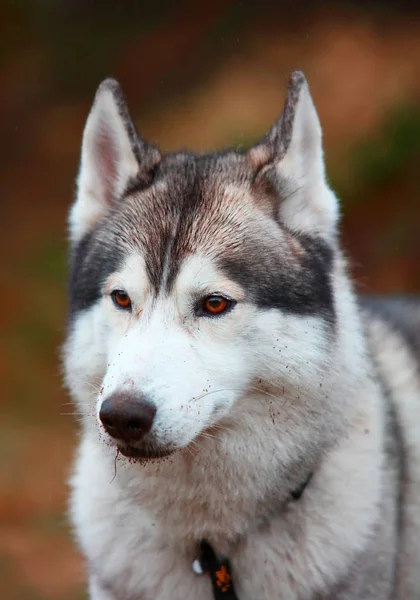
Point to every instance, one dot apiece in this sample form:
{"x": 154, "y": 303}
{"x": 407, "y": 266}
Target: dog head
{"x": 201, "y": 288}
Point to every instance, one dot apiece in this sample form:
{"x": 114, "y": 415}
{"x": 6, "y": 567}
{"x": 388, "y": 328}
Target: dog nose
{"x": 127, "y": 417}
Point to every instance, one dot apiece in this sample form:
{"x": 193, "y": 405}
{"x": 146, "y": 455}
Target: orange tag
{"x": 223, "y": 579}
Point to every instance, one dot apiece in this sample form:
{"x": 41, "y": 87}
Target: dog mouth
{"x": 142, "y": 454}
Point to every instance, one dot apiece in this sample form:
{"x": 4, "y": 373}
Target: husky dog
{"x": 231, "y": 385}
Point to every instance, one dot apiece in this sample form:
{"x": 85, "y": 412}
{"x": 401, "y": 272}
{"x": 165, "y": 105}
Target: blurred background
{"x": 198, "y": 75}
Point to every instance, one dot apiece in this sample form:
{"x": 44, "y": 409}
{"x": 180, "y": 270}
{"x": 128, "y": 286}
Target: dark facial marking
{"x": 302, "y": 286}
{"x": 91, "y": 262}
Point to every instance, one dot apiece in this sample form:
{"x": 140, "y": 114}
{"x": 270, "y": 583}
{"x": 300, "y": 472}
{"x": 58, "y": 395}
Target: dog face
{"x": 201, "y": 286}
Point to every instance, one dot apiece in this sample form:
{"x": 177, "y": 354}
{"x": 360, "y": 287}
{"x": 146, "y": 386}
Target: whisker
{"x": 266, "y": 393}
{"x": 208, "y": 436}
{"x": 208, "y": 393}
{"x": 115, "y": 465}
{"x": 253, "y": 388}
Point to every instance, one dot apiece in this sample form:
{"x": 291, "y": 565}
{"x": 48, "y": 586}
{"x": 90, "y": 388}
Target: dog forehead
{"x": 188, "y": 190}
{"x": 194, "y": 205}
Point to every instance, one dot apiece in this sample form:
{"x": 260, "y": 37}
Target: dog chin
{"x": 145, "y": 453}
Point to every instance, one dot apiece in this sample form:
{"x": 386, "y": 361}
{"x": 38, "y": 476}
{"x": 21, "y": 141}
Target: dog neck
{"x": 218, "y": 568}
{"x": 222, "y": 491}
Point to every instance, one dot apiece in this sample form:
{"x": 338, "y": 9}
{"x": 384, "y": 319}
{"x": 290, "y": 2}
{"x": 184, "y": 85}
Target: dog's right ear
{"x": 113, "y": 157}
{"x": 290, "y": 158}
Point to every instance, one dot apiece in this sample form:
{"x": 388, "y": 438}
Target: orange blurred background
{"x": 200, "y": 75}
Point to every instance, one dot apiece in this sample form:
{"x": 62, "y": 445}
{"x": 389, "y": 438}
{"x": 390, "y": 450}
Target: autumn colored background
{"x": 199, "y": 75}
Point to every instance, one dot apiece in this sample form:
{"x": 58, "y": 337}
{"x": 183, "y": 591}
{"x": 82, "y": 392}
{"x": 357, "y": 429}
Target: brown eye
{"x": 215, "y": 305}
{"x": 121, "y": 299}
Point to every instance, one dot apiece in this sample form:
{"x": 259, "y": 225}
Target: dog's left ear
{"x": 113, "y": 157}
{"x": 291, "y": 159}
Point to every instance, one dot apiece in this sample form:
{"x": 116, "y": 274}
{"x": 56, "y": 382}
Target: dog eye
{"x": 215, "y": 305}
{"x": 121, "y": 299}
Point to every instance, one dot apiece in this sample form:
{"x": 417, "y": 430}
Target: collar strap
{"x": 297, "y": 493}
{"x": 219, "y": 571}
{"x": 219, "y": 568}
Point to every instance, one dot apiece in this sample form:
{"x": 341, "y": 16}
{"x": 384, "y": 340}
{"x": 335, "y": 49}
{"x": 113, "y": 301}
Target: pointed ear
{"x": 291, "y": 158}
{"x": 113, "y": 158}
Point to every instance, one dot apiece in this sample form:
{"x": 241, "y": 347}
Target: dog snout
{"x": 127, "y": 417}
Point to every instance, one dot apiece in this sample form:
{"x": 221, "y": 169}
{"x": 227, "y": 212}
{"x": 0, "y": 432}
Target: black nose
{"x": 127, "y": 417}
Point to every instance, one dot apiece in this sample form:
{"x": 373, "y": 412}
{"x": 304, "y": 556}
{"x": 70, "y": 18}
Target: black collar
{"x": 219, "y": 568}
{"x": 297, "y": 493}
{"x": 219, "y": 571}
